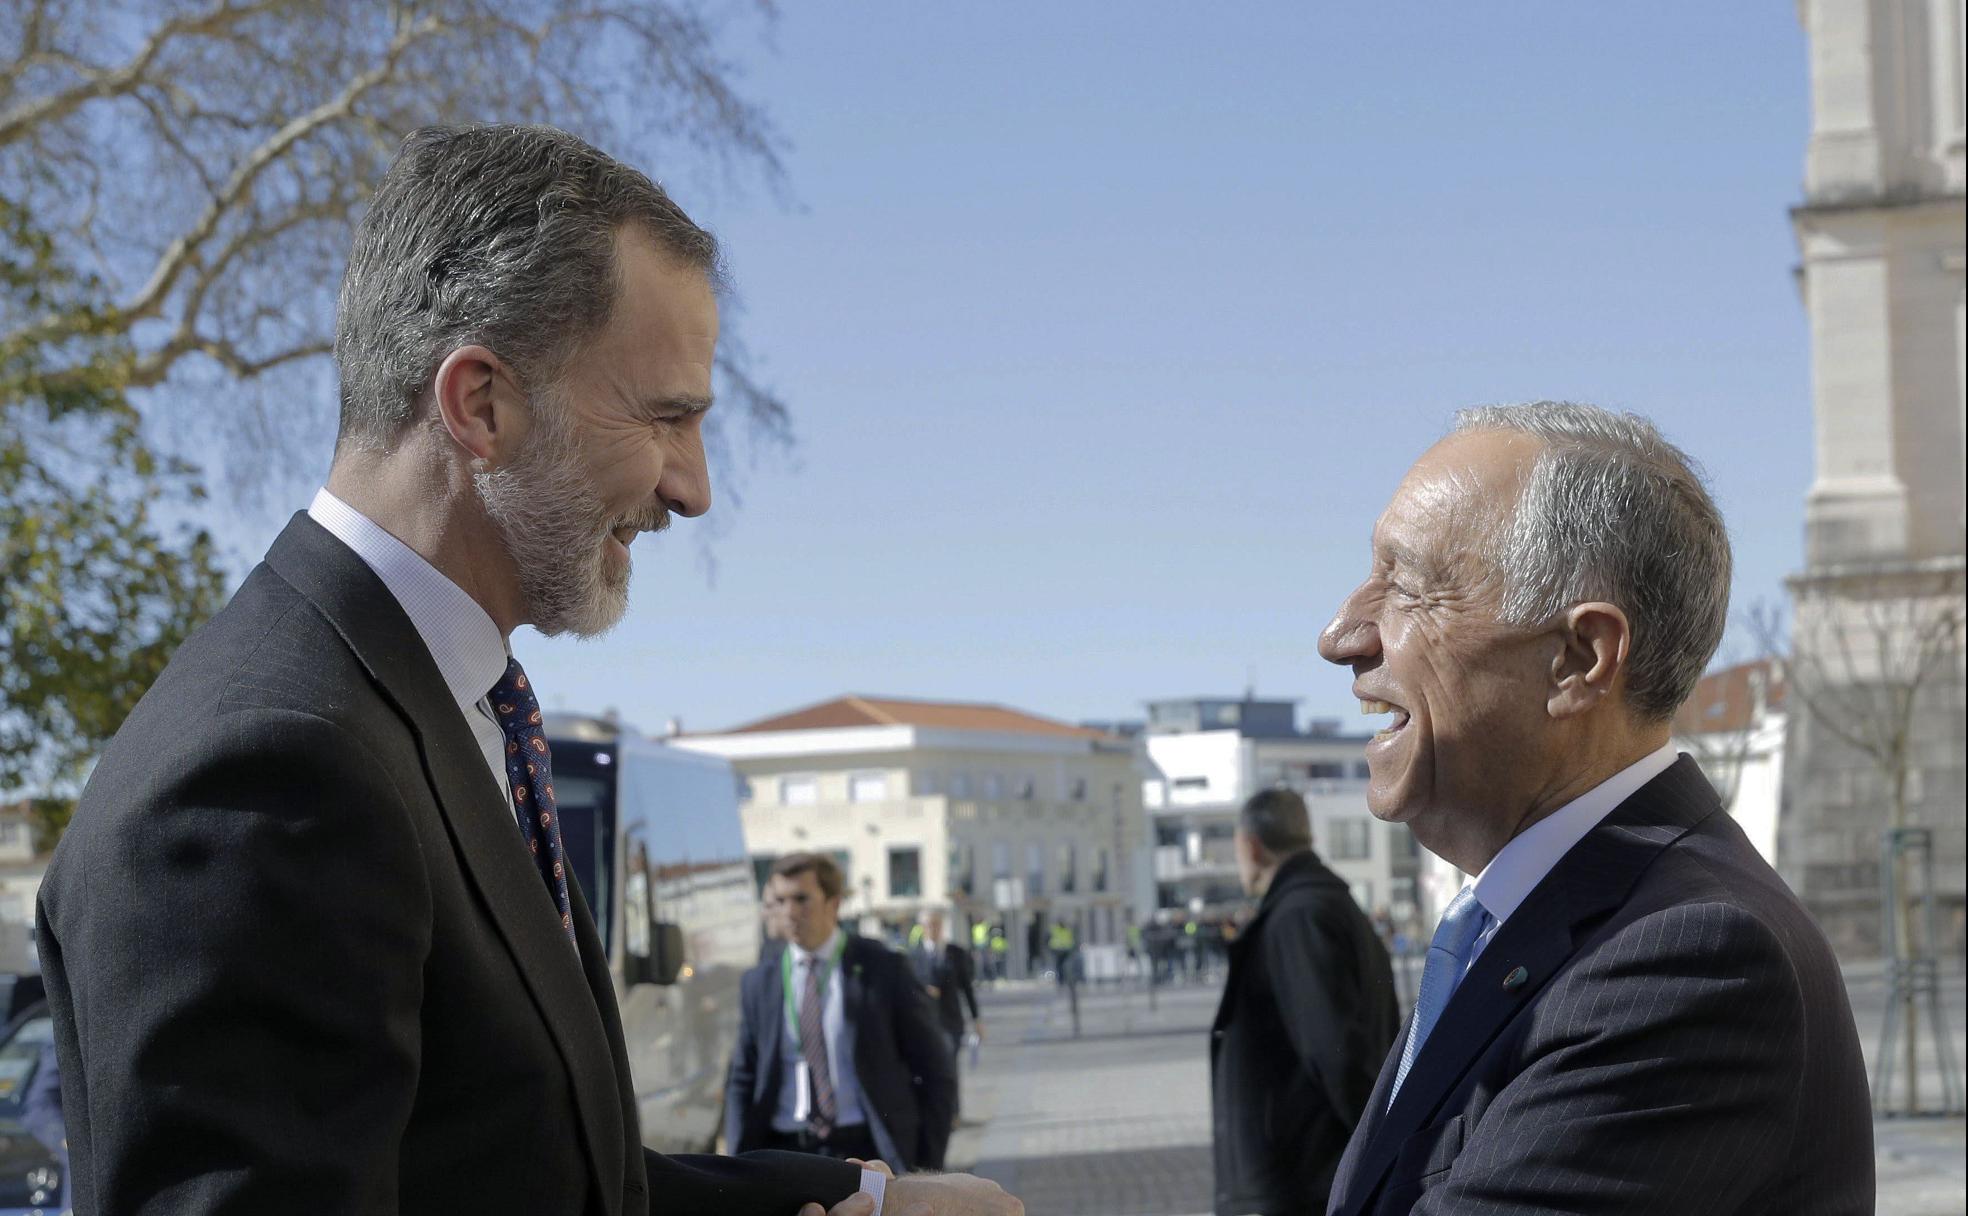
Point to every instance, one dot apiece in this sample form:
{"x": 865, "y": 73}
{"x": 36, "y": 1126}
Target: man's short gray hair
{"x": 495, "y": 235}
{"x": 1612, "y": 511}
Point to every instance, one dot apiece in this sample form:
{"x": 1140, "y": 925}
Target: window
{"x": 993, "y": 787}
{"x": 867, "y": 787}
{"x": 1351, "y": 839}
{"x": 1076, "y": 789}
{"x": 762, "y": 870}
{"x": 923, "y": 785}
{"x": 1100, "y": 870}
{"x": 963, "y": 869}
{"x": 1192, "y": 783}
{"x": 799, "y": 791}
{"x": 1361, "y": 770}
{"x": 1069, "y": 868}
{"x": 904, "y": 873}
{"x": 1325, "y": 770}
{"x": 959, "y": 785}
{"x": 1034, "y": 870}
{"x": 844, "y": 860}
{"x": 1000, "y": 860}
{"x": 1028, "y": 788}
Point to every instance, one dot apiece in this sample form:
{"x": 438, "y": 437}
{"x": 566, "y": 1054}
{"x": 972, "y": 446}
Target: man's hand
{"x": 977, "y": 1028}
{"x": 946, "y": 1195}
{"x": 926, "y": 1195}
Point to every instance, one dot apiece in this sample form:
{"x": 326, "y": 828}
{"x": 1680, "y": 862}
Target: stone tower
{"x": 1880, "y": 233}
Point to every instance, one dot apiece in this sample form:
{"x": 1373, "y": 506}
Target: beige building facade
{"x": 985, "y": 813}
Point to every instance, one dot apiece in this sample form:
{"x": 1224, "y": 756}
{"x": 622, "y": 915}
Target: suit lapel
{"x": 481, "y": 825}
{"x": 1539, "y": 937}
{"x": 854, "y": 991}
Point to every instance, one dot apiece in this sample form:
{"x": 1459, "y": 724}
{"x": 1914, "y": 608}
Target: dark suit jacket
{"x": 949, "y": 972}
{"x": 1307, "y": 1014}
{"x": 1679, "y": 1041}
{"x": 901, "y": 1058}
{"x": 300, "y": 962}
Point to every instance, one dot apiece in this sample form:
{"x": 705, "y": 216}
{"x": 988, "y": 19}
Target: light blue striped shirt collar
{"x": 1522, "y": 864}
{"x": 460, "y": 635}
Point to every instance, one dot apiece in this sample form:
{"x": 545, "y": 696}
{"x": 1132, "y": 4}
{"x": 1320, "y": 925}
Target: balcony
{"x": 1214, "y": 859}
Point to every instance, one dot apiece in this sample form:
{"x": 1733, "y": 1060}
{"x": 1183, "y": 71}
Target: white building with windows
{"x": 1209, "y": 754}
{"x": 983, "y": 812}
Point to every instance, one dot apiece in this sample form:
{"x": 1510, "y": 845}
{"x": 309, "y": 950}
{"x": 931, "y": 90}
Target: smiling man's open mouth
{"x": 1370, "y": 706}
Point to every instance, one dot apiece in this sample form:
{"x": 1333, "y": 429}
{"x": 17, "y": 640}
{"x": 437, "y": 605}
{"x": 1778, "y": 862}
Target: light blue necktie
{"x": 1448, "y": 957}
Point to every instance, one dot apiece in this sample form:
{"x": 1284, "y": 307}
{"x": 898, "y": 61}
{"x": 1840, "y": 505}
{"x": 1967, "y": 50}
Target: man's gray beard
{"x": 555, "y": 529}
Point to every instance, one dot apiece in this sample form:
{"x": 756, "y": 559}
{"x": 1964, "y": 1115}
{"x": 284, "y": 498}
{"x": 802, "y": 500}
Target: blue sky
{"x": 1110, "y": 328}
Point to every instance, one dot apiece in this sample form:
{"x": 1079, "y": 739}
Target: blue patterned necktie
{"x": 530, "y": 771}
{"x": 1448, "y": 957}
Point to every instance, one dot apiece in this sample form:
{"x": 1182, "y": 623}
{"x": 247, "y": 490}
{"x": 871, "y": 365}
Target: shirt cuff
{"x": 874, "y": 1182}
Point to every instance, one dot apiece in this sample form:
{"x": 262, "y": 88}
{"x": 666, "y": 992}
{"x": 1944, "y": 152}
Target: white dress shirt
{"x": 1522, "y": 864}
{"x": 833, "y": 1024}
{"x": 462, "y": 639}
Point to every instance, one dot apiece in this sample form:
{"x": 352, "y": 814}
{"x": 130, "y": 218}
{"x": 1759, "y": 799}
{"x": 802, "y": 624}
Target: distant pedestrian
{"x": 1307, "y": 1016}
{"x": 947, "y": 971}
{"x": 1064, "y": 944}
{"x": 839, "y": 1049}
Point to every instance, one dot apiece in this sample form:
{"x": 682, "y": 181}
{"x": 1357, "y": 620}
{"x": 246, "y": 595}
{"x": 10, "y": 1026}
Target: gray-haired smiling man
{"x": 1626, "y": 1010}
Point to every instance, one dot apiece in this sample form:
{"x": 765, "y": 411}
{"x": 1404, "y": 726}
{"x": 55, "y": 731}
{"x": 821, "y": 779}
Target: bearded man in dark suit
{"x": 310, "y": 943}
{"x": 1626, "y": 1010}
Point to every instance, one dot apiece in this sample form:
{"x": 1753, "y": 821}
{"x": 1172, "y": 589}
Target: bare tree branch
{"x": 100, "y": 83}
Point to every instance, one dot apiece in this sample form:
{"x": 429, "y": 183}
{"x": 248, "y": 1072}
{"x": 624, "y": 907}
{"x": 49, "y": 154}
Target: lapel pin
{"x": 1515, "y": 979}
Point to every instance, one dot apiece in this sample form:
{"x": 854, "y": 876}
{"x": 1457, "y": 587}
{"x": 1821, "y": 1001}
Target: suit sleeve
{"x": 238, "y": 949}
{"x": 751, "y": 1184}
{"x": 1679, "y": 1079}
{"x": 966, "y": 973}
{"x": 738, "y": 1083}
{"x": 926, "y": 1050}
{"x": 1319, "y": 990}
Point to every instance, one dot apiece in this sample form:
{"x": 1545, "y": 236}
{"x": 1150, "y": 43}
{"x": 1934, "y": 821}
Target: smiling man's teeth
{"x": 1375, "y": 707}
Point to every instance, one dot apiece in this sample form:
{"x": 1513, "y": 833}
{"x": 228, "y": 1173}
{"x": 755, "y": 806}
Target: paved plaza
{"x": 1116, "y": 1122}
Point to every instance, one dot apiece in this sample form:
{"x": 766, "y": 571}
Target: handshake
{"x": 926, "y": 1195}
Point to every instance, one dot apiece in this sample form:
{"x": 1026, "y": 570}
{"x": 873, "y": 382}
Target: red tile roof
{"x": 853, "y": 710}
{"x": 1725, "y": 700}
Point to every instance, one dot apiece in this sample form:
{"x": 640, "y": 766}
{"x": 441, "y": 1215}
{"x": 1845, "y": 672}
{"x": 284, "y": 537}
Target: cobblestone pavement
{"x": 1116, "y": 1122}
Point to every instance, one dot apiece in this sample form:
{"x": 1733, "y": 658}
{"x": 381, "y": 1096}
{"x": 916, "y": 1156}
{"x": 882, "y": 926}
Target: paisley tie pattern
{"x": 529, "y": 769}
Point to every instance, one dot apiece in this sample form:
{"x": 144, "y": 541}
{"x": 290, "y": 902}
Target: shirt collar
{"x": 1522, "y": 864}
{"x": 805, "y": 957}
{"x": 462, "y": 639}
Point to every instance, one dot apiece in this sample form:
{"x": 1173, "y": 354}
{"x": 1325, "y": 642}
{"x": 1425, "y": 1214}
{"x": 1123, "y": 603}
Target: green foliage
{"x": 95, "y": 591}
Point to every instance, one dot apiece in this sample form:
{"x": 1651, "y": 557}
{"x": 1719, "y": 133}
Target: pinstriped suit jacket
{"x": 1682, "y": 1044}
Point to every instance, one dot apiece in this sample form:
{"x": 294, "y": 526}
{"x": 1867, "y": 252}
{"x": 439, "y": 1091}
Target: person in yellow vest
{"x": 1061, "y": 941}
{"x": 1000, "y": 952}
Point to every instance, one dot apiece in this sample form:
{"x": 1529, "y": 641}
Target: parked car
{"x": 33, "y": 1179}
